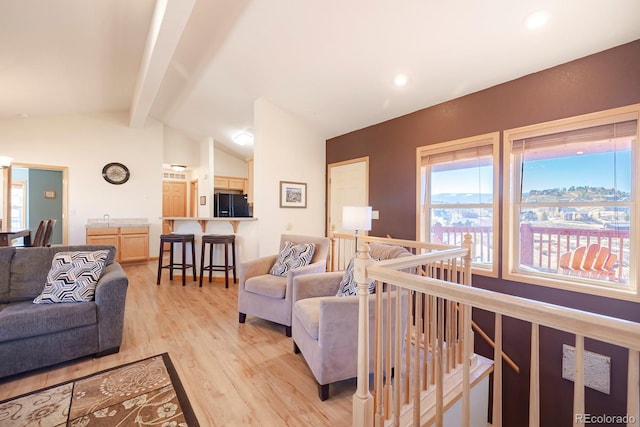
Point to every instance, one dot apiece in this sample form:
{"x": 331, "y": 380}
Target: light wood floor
{"x": 234, "y": 375}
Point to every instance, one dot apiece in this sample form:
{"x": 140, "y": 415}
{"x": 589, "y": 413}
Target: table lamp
{"x": 356, "y": 218}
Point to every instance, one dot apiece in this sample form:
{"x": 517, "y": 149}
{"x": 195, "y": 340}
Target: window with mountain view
{"x": 569, "y": 208}
{"x": 457, "y": 188}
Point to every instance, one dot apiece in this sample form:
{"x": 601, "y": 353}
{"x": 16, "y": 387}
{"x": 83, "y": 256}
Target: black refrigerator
{"x": 230, "y": 205}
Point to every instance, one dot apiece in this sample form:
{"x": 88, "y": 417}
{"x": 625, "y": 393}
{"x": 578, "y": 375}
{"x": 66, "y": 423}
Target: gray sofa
{"x": 37, "y": 335}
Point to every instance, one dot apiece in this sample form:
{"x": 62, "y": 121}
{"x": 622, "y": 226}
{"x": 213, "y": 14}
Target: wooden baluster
{"x": 497, "y": 373}
{"x": 466, "y": 368}
{"x": 407, "y": 346}
{"x": 378, "y": 397}
{"x": 425, "y": 340}
{"x": 440, "y": 365}
{"x": 534, "y": 377}
{"x": 415, "y": 379}
{"x": 397, "y": 351}
{"x": 633, "y": 388}
{"x": 578, "y": 382}
{"x": 433, "y": 341}
{"x": 386, "y": 345}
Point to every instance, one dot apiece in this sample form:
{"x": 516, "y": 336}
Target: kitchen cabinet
{"x": 134, "y": 244}
{"x": 230, "y": 183}
{"x": 131, "y": 243}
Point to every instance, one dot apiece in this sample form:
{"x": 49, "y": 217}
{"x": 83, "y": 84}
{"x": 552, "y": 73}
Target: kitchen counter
{"x": 116, "y": 222}
{"x": 234, "y": 221}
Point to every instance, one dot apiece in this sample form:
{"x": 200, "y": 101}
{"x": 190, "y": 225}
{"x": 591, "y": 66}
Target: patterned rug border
{"x": 181, "y": 394}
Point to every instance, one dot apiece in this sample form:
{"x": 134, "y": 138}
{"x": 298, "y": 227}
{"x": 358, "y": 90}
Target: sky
{"x": 593, "y": 170}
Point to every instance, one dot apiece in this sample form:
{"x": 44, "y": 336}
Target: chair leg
{"x": 171, "y": 261}
{"x": 160, "y": 263}
{"x": 211, "y": 261}
{"x": 202, "y": 261}
{"x": 287, "y": 331}
{"x": 184, "y": 263}
{"x": 226, "y": 265}
{"x": 193, "y": 259}
{"x": 242, "y": 317}
{"x": 323, "y": 391}
{"x": 233, "y": 257}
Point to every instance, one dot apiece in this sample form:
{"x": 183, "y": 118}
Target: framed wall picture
{"x": 49, "y": 194}
{"x": 293, "y": 194}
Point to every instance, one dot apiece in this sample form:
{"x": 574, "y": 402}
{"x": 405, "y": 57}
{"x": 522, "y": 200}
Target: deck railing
{"x": 540, "y": 247}
{"x": 413, "y": 371}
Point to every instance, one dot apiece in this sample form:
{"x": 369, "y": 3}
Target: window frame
{"x": 511, "y": 222}
{"x": 489, "y": 139}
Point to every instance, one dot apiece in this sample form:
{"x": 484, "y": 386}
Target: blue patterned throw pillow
{"x": 293, "y": 256}
{"x": 348, "y": 286}
{"x": 73, "y": 277}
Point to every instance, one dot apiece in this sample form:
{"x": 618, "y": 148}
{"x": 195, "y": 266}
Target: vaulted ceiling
{"x": 199, "y": 65}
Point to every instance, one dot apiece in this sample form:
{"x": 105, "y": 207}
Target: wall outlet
{"x": 597, "y": 368}
{"x": 375, "y": 214}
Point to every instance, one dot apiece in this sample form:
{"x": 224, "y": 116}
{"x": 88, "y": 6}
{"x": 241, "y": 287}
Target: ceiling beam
{"x": 167, "y": 25}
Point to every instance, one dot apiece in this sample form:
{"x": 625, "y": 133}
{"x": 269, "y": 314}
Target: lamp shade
{"x": 356, "y": 218}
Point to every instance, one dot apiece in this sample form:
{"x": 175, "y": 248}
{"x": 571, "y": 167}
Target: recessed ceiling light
{"x": 400, "y": 80}
{"x": 536, "y": 20}
{"x": 243, "y": 138}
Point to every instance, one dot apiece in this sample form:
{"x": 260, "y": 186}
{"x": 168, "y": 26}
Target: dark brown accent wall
{"x": 598, "y": 82}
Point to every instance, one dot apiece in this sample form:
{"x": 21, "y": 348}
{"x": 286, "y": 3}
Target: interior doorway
{"x": 348, "y": 185}
{"x": 38, "y": 192}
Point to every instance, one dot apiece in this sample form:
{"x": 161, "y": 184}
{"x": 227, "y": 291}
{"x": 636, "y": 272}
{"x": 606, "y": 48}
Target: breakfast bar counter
{"x": 203, "y": 221}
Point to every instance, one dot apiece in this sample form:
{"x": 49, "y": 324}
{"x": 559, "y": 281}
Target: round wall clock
{"x": 115, "y": 173}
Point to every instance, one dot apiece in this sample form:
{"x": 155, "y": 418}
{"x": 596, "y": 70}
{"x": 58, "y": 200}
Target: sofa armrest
{"x": 110, "y": 297}
{"x": 316, "y": 285}
{"x": 255, "y": 267}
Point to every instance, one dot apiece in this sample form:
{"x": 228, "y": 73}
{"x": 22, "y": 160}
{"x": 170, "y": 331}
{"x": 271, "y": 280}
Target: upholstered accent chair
{"x": 269, "y": 296}
{"x": 325, "y": 326}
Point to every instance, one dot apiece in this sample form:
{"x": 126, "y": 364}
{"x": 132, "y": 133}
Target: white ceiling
{"x": 329, "y": 63}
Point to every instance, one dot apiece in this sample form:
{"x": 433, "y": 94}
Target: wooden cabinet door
{"x": 220, "y": 182}
{"x": 134, "y": 247}
{"x": 237, "y": 184}
{"x": 104, "y": 239}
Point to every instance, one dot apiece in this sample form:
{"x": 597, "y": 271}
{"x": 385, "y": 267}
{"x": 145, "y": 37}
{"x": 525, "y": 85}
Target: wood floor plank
{"x": 234, "y": 374}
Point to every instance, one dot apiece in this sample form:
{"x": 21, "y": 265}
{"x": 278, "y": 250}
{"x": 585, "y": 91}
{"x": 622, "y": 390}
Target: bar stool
{"x": 219, "y": 239}
{"x": 181, "y": 239}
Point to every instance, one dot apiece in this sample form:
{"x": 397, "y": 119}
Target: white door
{"x": 348, "y": 186}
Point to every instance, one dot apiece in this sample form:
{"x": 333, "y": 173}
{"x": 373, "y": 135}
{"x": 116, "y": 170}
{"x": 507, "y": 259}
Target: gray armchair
{"x": 269, "y": 297}
{"x": 325, "y": 326}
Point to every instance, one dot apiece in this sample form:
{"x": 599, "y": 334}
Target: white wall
{"x": 286, "y": 150}
{"x": 228, "y": 165}
{"x": 84, "y": 143}
{"x": 178, "y": 149}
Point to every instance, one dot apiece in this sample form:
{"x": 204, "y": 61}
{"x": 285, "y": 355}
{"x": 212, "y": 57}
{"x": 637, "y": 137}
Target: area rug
{"x": 143, "y": 393}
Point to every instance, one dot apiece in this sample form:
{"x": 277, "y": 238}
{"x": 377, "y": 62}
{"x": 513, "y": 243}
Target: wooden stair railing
{"x": 342, "y": 250}
{"x": 440, "y": 293}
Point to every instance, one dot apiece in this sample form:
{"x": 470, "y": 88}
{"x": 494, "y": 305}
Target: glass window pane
{"x": 456, "y": 184}
{"x": 449, "y": 226}
{"x": 577, "y": 177}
